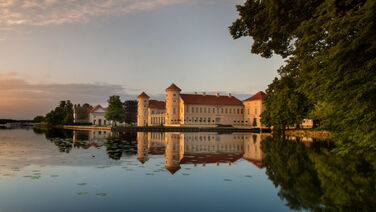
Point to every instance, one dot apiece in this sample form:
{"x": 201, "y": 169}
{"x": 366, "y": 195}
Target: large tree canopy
{"x": 330, "y": 51}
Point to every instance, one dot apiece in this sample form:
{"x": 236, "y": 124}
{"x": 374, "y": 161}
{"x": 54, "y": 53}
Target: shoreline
{"x": 320, "y": 134}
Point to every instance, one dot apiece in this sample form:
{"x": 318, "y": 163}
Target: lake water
{"x": 62, "y": 170}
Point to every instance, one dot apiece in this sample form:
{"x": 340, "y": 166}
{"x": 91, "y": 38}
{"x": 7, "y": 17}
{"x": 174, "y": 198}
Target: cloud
{"x": 46, "y": 12}
{"x": 20, "y": 99}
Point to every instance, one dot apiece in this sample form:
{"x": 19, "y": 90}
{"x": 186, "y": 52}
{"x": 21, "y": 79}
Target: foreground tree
{"x": 332, "y": 46}
{"x": 115, "y": 111}
{"x": 285, "y": 106}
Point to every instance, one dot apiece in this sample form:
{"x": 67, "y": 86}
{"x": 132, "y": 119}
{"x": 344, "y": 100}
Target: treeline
{"x": 330, "y": 69}
{"x": 63, "y": 113}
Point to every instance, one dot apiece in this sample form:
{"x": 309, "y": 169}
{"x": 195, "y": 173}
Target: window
{"x": 248, "y": 111}
{"x": 200, "y": 109}
{"x": 193, "y": 109}
{"x": 174, "y": 110}
{"x": 196, "y": 109}
{"x": 238, "y": 110}
{"x": 204, "y": 109}
{"x": 230, "y": 110}
{"x": 209, "y": 110}
{"x": 174, "y": 94}
{"x": 209, "y": 122}
{"x": 222, "y": 110}
{"x": 256, "y": 111}
{"x": 226, "y": 110}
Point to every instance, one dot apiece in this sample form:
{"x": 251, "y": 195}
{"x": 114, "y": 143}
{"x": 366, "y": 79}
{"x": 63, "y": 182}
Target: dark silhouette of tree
{"x": 330, "y": 47}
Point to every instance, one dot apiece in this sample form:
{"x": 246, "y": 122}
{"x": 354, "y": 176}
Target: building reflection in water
{"x": 88, "y": 139}
{"x": 181, "y": 148}
{"x": 199, "y": 148}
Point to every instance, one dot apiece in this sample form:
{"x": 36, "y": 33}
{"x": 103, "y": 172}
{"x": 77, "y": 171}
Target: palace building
{"x": 201, "y": 110}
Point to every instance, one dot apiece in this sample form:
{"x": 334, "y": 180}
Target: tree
{"x": 331, "y": 50}
{"x": 115, "y": 111}
{"x": 82, "y": 111}
{"x": 62, "y": 114}
{"x": 284, "y": 106}
{"x": 38, "y": 119}
{"x": 68, "y": 119}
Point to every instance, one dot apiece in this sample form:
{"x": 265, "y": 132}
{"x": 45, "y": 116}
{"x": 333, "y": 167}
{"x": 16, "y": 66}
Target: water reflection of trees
{"x": 66, "y": 140}
{"x": 315, "y": 178}
{"x": 60, "y": 137}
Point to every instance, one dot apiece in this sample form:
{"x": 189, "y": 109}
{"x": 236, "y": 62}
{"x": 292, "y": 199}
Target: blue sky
{"x": 68, "y": 49}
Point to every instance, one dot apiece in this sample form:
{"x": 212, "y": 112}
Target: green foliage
{"x": 115, "y": 111}
{"x": 38, "y": 119}
{"x": 82, "y": 111}
{"x": 284, "y": 105}
{"x": 68, "y": 119}
{"x": 63, "y": 114}
{"x": 331, "y": 51}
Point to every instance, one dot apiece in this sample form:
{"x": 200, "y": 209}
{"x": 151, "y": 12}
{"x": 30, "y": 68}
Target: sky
{"x": 87, "y": 50}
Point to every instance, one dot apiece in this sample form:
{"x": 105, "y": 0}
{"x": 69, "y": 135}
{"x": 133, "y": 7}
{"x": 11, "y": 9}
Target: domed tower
{"x": 172, "y": 104}
{"x": 172, "y": 152}
{"x": 142, "y": 109}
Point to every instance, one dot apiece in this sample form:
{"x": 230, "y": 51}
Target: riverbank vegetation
{"x": 330, "y": 68}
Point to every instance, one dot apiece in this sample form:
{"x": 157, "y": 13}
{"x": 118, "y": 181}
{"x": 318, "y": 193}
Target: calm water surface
{"x": 61, "y": 170}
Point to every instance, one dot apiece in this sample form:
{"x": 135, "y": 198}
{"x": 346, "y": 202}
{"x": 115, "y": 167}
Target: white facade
{"x": 96, "y": 117}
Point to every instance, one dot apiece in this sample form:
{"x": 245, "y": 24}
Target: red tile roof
{"x": 257, "y": 163}
{"x": 210, "y": 158}
{"x": 143, "y": 95}
{"x": 142, "y": 159}
{"x": 173, "y": 87}
{"x": 210, "y": 99}
{"x": 157, "y": 104}
{"x": 258, "y": 96}
{"x": 90, "y": 110}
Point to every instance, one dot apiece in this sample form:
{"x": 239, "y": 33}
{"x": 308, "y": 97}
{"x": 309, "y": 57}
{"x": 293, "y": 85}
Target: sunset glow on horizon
{"x": 87, "y": 50}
